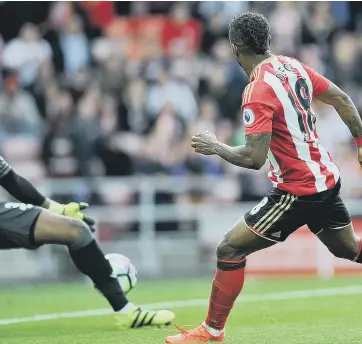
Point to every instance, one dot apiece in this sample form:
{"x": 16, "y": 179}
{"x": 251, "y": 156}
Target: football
{"x": 124, "y": 270}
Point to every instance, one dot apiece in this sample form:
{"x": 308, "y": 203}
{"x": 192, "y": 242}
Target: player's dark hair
{"x": 251, "y": 33}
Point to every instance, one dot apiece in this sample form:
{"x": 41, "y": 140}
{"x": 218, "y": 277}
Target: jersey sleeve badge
{"x": 248, "y": 117}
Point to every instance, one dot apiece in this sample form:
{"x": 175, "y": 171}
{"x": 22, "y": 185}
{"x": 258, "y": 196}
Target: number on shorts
{"x": 263, "y": 202}
{"x": 20, "y": 206}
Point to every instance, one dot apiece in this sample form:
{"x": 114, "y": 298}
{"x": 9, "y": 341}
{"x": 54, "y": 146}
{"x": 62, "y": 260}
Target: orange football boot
{"x": 196, "y": 335}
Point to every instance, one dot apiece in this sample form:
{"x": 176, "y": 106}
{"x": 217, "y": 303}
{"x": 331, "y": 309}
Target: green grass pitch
{"x": 332, "y": 316}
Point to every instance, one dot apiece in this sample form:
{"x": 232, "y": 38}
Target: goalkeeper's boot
{"x": 197, "y": 335}
{"x": 138, "y": 317}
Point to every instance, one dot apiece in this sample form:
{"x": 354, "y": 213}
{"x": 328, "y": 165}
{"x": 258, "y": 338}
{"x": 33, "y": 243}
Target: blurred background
{"x": 98, "y": 103}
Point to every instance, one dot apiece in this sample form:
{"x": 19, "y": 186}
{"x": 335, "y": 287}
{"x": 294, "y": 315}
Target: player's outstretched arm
{"x": 21, "y": 189}
{"x": 252, "y": 155}
{"x": 347, "y": 111}
{"x": 25, "y": 192}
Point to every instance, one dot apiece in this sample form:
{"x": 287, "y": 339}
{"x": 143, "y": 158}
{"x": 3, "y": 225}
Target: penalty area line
{"x": 288, "y": 295}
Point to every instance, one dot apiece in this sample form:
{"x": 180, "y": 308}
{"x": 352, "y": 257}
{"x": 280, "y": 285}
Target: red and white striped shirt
{"x": 278, "y": 101}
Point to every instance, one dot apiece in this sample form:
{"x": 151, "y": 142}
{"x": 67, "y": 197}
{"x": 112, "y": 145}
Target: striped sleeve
{"x": 258, "y": 109}
{"x": 4, "y": 167}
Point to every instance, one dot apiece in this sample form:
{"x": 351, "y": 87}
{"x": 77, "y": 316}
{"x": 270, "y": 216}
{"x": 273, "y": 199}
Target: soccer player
{"x": 280, "y": 126}
{"x": 38, "y": 221}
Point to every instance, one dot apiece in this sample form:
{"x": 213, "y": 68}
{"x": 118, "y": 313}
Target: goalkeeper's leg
{"x": 89, "y": 259}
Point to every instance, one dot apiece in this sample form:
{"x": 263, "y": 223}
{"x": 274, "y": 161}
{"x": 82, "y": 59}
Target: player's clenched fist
{"x": 204, "y": 143}
{"x": 72, "y": 210}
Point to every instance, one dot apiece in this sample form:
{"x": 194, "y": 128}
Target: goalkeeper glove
{"x": 72, "y": 210}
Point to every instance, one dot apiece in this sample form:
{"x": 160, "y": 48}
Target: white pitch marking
{"x": 288, "y": 295}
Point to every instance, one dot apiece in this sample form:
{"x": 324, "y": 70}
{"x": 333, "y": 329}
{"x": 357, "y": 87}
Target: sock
{"x": 211, "y": 330}
{"x": 126, "y": 308}
{"x": 226, "y": 287}
{"x": 90, "y": 261}
{"x": 358, "y": 258}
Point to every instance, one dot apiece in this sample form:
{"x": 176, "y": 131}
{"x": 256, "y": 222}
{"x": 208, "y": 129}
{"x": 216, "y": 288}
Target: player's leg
{"x": 90, "y": 260}
{"x": 332, "y": 225}
{"x": 342, "y": 242}
{"x": 336, "y": 231}
{"x": 30, "y": 227}
{"x": 228, "y": 281}
{"x": 84, "y": 251}
{"x": 227, "y": 284}
{"x": 259, "y": 229}
{"x": 269, "y": 222}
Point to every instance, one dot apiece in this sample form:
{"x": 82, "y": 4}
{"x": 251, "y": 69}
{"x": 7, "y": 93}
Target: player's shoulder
{"x": 258, "y": 88}
{"x": 258, "y": 91}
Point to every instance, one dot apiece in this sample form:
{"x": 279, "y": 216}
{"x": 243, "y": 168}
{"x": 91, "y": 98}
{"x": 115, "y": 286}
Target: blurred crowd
{"x": 117, "y": 88}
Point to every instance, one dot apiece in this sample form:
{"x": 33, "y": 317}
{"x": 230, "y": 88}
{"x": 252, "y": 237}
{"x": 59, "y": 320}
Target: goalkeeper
{"x": 37, "y": 221}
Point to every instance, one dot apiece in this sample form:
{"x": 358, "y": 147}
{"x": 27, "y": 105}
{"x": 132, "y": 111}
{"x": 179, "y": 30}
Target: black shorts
{"x": 17, "y": 221}
{"x": 279, "y": 214}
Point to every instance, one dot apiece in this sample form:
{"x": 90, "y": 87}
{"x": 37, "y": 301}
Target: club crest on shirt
{"x": 248, "y": 117}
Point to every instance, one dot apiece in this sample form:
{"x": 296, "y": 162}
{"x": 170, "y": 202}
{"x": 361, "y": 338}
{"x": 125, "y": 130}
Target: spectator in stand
{"x": 226, "y": 9}
{"x": 174, "y": 92}
{"x": 160, "y": 150}
{"x": 346, "y": 51}
{"x": 46, "y": 81}
{"x": 59, "y": 14}
{"x": 182, "y": 34}
{"x": 311, "y": 55}
{"x": 116, "y": 149}
{"x": 19, "y": 114}
{"x": 100, "y": 13}
{"x": 285, "y": 22}
{"x": 186, "y": 162}
{"x": 214, "y": 29}
{"x": 219, "y": 75}
{"x": 74, "y": 45}
{"x": 78, "y": 82}
{"x": 111, "y": 75}
{"x": 215, "y": 15}
{"x": 207, "y": 116}
{"x": 319, "y": 24}
{"x": 64, "y": 144}
{"x": 129, "y": 113}
{"x": 132, "y": 107}
{"x": 27, "y": 53}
